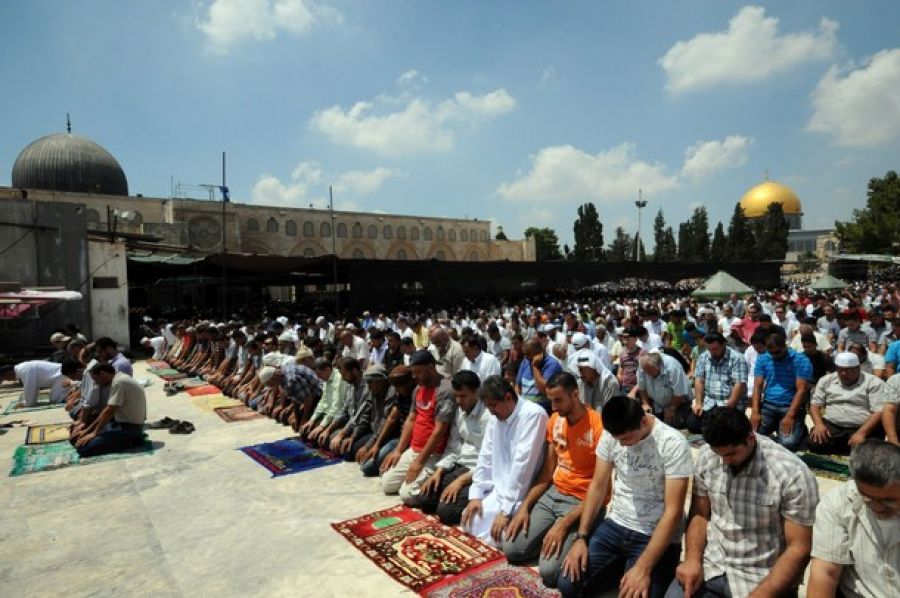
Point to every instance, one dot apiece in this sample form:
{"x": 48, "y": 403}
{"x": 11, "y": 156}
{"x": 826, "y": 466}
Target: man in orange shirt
{"x": 547, "y": 521}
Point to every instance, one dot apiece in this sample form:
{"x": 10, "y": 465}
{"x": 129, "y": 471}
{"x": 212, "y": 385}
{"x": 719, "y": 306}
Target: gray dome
{"x": 66, "y": 162}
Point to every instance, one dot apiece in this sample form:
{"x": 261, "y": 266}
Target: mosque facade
{"x": 70, "y": 168}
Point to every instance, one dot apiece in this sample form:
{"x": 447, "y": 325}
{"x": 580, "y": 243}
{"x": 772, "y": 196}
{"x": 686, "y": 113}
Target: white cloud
{"x": 228, "y": 22}
{"x": 707, "y": 157}
{"x": 568, "y": 173}
{"x": 750, "y": 50}
{"x": 412, "y": 79}
{"x": 308, "y": 186}
{"x": 419, "y": 126}
{"x": 860, "y": 107}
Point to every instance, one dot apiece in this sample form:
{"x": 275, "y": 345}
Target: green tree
{"x": 501, "y": 236}
{"x": 875, "y": 228}
{"x": 685, "y": 242}
{"x": 659, "y": 236}
{"x": 808, "y": 262}
{"x": 546, "y": 243}
{"x": 588, "y": 233}
{"x": 741, "y": 246}
{"x": 771, "y": 232}
{"x": 669, "y": 251}
{"x": 700, "y": 235}
{"x": 622, "y": 246}
{"x": 719, "y": 247}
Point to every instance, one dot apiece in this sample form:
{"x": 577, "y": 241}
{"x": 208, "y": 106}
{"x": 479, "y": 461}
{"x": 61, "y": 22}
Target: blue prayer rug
{"x": 288, "y": 456}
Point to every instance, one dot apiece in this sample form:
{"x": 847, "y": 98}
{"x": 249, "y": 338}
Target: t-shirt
{"x": 432, "y": 404}
{"x": 575, "y": 456}
{"x": 525, "y": 379}
{"x": 640, "y": 477}
{"x": 129, "y": 398}
{"x": 781, "y": 376}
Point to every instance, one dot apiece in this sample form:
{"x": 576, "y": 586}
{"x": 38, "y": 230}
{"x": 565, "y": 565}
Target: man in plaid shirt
{"x": 720, "y": 380}
{"x": 752, "y": 512}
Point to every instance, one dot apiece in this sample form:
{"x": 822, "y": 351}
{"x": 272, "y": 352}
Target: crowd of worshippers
{"x": 558, "y": 433}
{"x": 94, "y": 381}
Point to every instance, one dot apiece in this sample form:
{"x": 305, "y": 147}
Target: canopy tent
{"x": 828, "y": 283}
{"x": 721, "y": 285}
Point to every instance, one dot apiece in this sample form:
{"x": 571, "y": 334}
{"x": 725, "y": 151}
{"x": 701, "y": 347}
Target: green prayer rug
{"x": 43, "y": 402}
{"x": 834, "y": 467}
{"x": 33, "y": 458}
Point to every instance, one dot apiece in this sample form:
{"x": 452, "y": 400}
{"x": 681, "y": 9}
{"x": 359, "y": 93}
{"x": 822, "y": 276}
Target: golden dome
{"x": 758, "y": 199}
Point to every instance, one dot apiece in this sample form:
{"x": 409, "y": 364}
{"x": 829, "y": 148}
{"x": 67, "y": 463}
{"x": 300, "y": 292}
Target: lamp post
{"x": 334, "y": 267}
{"x": 641, "y": 203}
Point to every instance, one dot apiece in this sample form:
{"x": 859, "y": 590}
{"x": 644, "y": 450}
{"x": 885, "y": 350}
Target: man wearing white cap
{"x": 846, "y": 408}
{"x": 326, "y": 329}
{"x": 596, "y": 383}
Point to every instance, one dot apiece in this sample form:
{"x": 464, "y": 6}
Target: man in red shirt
{"x": 425, "y": 431}
{"x": 546, "y": 523}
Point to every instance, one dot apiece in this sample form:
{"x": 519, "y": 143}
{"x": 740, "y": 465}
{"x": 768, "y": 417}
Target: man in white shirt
{"x": 478, "y": 361}
{"x": 355, "y": 347}
{"x": 856, "y": 538}
{"x": 379, "y": 348}
{"x": 510, "y": 455}
{"x": 35, "y": 375}
{"x": 645, "y": 517}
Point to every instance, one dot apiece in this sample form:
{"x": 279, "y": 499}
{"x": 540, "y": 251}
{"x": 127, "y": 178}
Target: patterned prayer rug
{"x": 43, "y": 402}
{"x": 238, "y": 413}
{"x": 834, "y": 467}
{"x": 416, "y": 550}
{"x": 209, "y": 403}
{"x": 497, "y": 581}
{"x": 288, "y": 456}
{"x": 206, "y": 389}
{"x": 45, "y": 433}
{"x": 174, "y": 377}
{"x": 33, "y": 458}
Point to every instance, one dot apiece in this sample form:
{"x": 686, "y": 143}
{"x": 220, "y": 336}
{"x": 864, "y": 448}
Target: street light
{"x": 641, "y": 203}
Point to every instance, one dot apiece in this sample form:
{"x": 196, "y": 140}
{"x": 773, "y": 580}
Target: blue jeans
{"x": 716, "y": 587}
{"x": 115, "y": 438}
{"x": 771, "y": 422}
{"x": 371, "y": 468}
{"x": 608, "y": 547}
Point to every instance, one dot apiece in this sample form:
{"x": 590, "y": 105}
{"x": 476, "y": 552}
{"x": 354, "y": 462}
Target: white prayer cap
{"x": 580, "y": 340}
{"x": 585, "y": 358}
{"x": 846, "y": 360}
{"x": 145, "y": 340}
{"x": 282, "y": 320}
{"x": 320, "y": 320}
{"x": 286, "y": 337}
{"x": 273, "y": 359}
{"x": 266, "y": 373}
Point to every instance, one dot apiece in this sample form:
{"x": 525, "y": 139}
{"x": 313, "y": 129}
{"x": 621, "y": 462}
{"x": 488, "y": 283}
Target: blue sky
{"x": 512, "y": 111}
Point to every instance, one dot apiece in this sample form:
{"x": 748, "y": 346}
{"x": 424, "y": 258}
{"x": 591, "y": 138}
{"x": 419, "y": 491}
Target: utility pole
{"x": 224, "y": 190}
{"x": 641, "y": 203}
{"x": 334, "y": 268}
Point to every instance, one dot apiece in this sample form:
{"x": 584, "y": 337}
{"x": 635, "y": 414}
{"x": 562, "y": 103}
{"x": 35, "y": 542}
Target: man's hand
{"x": 819, "y": 434}
{"x": 451, "y": 492}
{"x": 366, "y": 453}
{"x": 432, "y": 483}
{"x": 346, "y": 444}
{"x": 856, "y": 439}
{"x": 669, "y": 414}
{"x": 537, "y": 361}
{"x": 335, "y": 444}
{"x": 498, "y": 528}
{"x": 787, "y": 424}
{"x": 576, "y": 562}
{"x": 635, "y": 583}
{"x": 472, "y": 510}
{"x": 518, "y": 523}
{"x": 85, "y": 439}
{"x": 389, "y": 461}
{"x": 690, "y": 576}
{"x": 415, "y": 468}
{"x": 553, "y": 541}
{"x": 305, "y": 428}
{"x": 755, "y": 419}
{"x": 697, "y": 408}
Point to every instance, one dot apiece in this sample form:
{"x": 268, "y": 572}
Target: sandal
{"x": 166, "y": 422}
{"x": 182, "y": 428}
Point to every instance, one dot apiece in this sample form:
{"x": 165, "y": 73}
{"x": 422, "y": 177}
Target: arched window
{"x": 372, "y": 232}
{"x": 401, "y": 232}
{"x": 358, "y": 254}
{"x": 452, "y": 234}
{"x": 427, "y": 234}
{"x": 309, "y": 229}
{"x": 484, "y": 235}
{"x": 252, "y": 225}
{"x": 290, "y": 228}
{"x": 342, "y": 230}
{"x": 324, "y": 230}
{"x": 440, "y": 255}
{"x": 473, "y": 257}
{"x": 93, "y": 216}
{"x": 473, "y": 234}
{"x": 463, "y": 235}
{"x": 272, "y": 226}
{"x": 414, "y": 233}
{"x": 357, "y": 231}
{"x": 830, "y": 246}
{"x": 440, "y": 233}
{"x": 137, "y": 219}
{"x": 401, "y": 254}
{"x": 387, "y": 233}
{"x": 308, "y": 252}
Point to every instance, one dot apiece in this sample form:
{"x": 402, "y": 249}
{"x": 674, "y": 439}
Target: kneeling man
{"x": 120, "y": 426}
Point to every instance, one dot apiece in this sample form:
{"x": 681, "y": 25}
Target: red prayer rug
{"x": 497, "y": 581}
{"x": 416, "y": 550}
{"x": 199, "y": 391}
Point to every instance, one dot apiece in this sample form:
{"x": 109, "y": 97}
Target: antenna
{"x": 68, "y": 124}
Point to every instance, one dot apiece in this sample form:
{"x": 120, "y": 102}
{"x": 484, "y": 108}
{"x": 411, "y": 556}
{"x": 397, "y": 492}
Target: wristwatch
{"x": 580, "y": 536}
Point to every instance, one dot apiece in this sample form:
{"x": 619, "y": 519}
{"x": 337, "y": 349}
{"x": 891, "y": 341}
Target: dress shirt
{"x": 671, "y": 381}
{"x": 720, "y": 376}
{"x": 466, "y": 437}
{"x": 849, "y": 406}
{"x": 484, "y": 365}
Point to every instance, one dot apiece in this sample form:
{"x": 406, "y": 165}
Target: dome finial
{"x": 68, "y": 124}
{"x": 766, "y": 174}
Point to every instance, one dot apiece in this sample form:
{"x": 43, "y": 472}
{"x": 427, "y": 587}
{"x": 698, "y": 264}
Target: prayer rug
{"x": 834, "y": 467}
{"x": 288, "y": 456}
{"x": 173, "y": 377}
{"x": 210, "y": 403}
{"x": 43, "y": 402}
{"x": 238, "y": 413}
{"x": 166, "y": 372}
{"x": 206, "y": 389}
{"x": 153, "y": 364}
{"x": 192, "y": 383}
{"x": 44, "y": 457}
{"x": 497, "y": 581}
{"x": 45, "y": 433}
{"x": 416, "y": 550}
